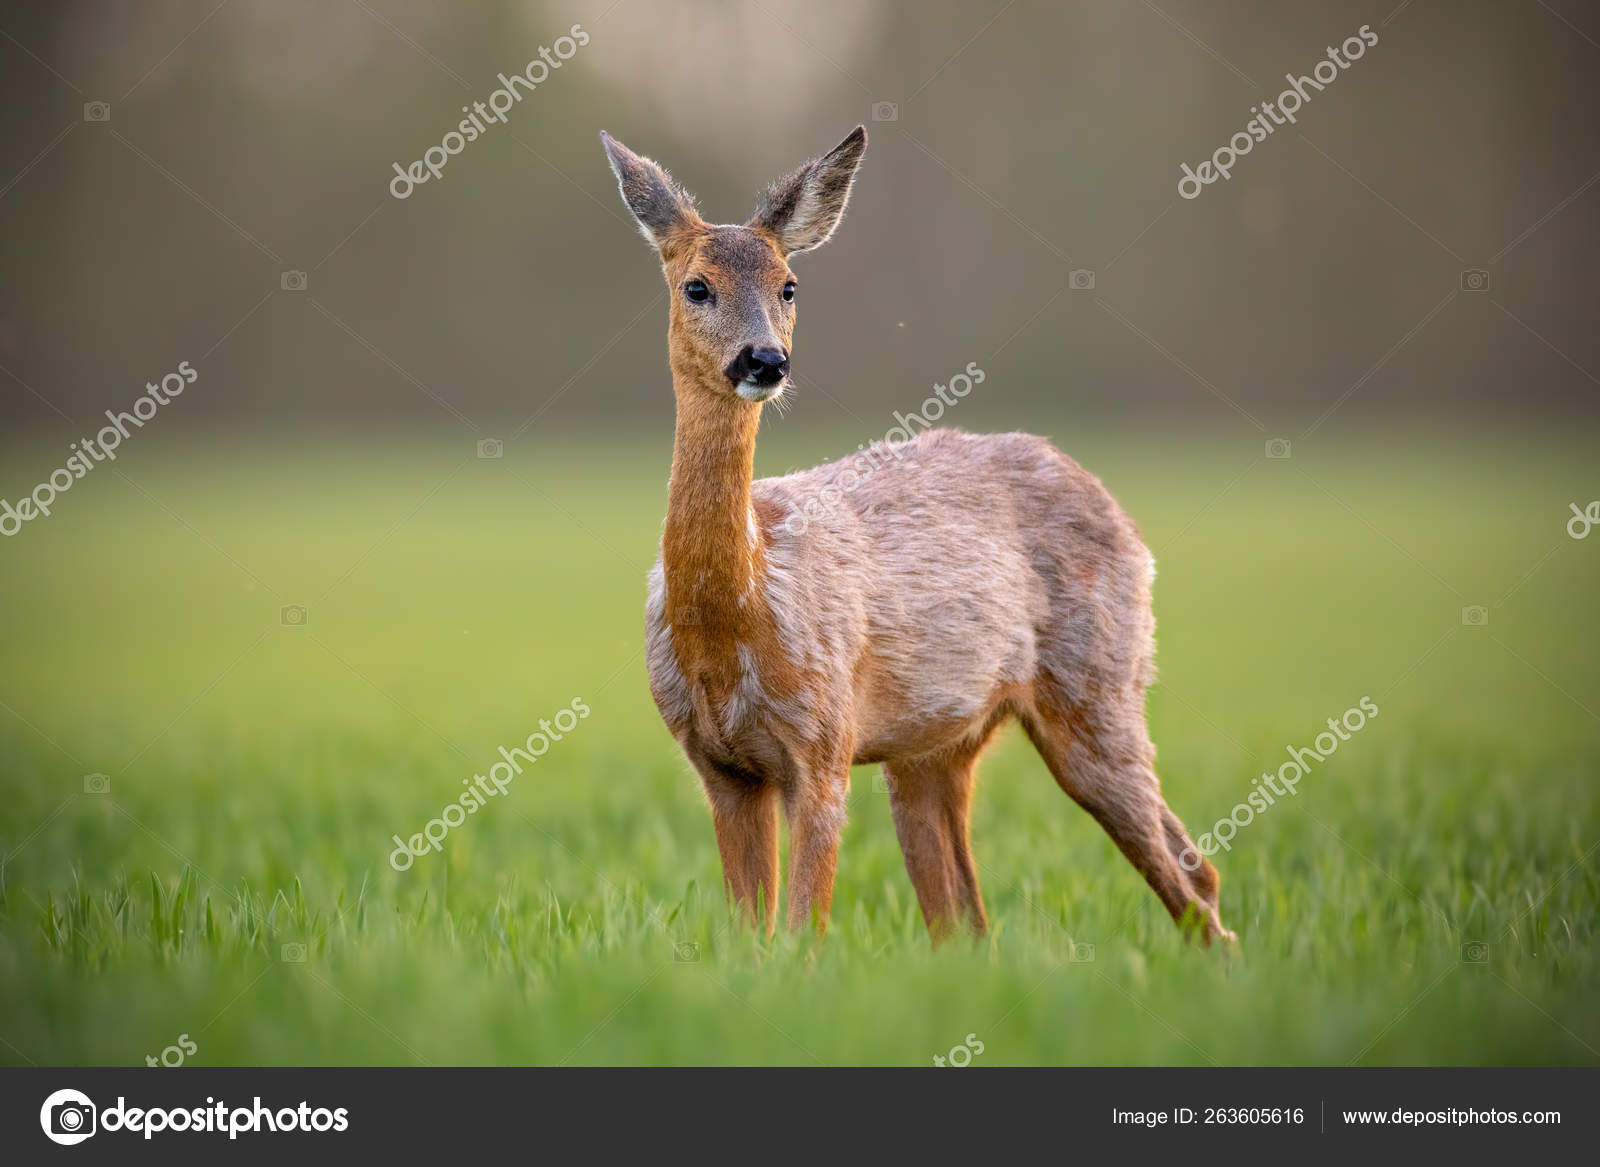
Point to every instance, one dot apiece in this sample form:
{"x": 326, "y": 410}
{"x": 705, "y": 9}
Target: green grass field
{"x": 1429, "y": 896}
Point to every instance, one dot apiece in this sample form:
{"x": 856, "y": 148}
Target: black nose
{"x": 766, "y": 366}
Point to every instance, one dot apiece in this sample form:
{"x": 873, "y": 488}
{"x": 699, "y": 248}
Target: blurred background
{"x": 1029, "y": 140}
{"x": 407, "y": 506}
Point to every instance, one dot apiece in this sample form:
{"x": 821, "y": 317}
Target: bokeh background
{"x": 1031, "y": 140}
{"x": 1349, "y": 394}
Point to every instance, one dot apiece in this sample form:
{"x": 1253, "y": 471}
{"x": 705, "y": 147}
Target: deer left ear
{"x": 801, "y": 211}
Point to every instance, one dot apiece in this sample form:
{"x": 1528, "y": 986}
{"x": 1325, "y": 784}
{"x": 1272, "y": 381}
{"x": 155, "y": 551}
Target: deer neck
{"x": 711, "y": 552}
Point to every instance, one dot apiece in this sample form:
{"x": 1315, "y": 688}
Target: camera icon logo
{"x": 292, "y": 616}
{"x": 292, "y": 953}
{"x": 882, "y": 783}
{"x": 1081, "y": 953}
{"x": 1475, "y": 952}
{"x": 491, "y": 448}
{"x": 1080, "y": 279}
{"x": 1475, "y": 616}
{"x": 1474, "y": 279}
{"x": 292, "y": 281}
{"x": 97, "y": 111}
{"x": 68, "y": 1117}
{"x": 1278, "y": 447}
{"x": 885, "y": 111}
{"x": 686, "y": 952}
{"x": 97, "y": 784}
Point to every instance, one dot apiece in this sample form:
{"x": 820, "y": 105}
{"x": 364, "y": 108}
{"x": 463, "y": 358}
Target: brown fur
{"x": 952, "y": 582}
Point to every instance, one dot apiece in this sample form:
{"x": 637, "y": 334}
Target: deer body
{"x": 908, "y": 614}
{"x": 895, "y": 607}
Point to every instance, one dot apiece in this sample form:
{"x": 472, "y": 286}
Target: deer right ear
{"x": 660, "y": 206}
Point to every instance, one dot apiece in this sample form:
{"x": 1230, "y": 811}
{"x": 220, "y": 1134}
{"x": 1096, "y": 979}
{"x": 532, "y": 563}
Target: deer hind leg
{"x": 745, "y": 813}
{"x": 1104, "y": 762}
{"x": 816, "y": 815}
{"x": 931, "y": 797}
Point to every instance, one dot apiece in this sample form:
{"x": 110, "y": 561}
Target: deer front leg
{"x": 816, "y": 820}
{"x": 746, "y": 818}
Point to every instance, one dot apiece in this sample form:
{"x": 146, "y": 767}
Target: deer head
{"x": 732, "y": 292}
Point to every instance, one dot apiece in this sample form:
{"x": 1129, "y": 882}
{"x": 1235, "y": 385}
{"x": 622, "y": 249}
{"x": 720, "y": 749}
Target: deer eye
{"x": 788, "y": 292}
{"x": 697, "y": 290}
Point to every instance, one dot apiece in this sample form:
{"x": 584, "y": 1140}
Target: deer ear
{"x": 659, "y": 206}
{"x": 802, "y": 210}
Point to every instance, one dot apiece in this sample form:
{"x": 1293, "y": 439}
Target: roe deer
{"x": 965, "y": 580}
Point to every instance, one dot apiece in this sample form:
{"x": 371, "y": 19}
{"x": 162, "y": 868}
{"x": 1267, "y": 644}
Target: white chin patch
{"x": 750, "y": 391}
